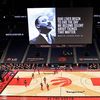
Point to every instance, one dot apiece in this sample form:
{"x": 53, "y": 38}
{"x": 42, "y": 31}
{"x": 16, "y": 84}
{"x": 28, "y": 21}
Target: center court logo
{"x": 62, "y": 81}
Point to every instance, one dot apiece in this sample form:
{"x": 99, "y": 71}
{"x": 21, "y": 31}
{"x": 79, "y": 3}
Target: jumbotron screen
{"x": 60, "y": 25}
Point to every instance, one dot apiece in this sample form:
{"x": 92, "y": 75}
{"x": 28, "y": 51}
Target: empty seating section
{"x": 87, "y": 54}
{"x": 62, "y": 55}
{"x": 37, "y": 55}
{"x": 3, "y": 45}
{"x": 98, "y": 43}
{"x": 15, "y": 51}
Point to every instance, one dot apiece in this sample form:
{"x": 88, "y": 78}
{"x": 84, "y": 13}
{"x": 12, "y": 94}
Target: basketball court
{"x": 61, "y": 83}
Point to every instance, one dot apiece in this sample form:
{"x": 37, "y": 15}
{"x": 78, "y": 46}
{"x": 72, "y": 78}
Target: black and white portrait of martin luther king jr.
{"x": 46, "y": 28}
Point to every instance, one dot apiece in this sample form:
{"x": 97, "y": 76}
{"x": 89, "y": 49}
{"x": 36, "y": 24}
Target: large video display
{"x": 60, "y": 25}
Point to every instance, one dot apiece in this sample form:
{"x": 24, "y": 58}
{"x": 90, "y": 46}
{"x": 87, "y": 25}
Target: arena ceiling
{"x": 42, "y": 3}
{"x": 8, "y": 7}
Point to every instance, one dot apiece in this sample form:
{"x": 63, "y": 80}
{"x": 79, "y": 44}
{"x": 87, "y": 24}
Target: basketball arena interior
{"x": 66, "y": 68}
